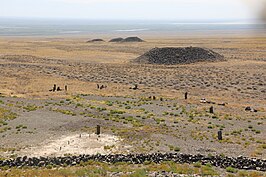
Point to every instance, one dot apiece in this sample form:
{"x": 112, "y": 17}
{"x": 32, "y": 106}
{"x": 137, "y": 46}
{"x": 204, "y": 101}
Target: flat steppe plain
{"x": 33, "y": 119}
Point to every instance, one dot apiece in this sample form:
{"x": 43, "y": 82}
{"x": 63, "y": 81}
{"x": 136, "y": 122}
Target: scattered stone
{"x": 250, "y": 109}
{"x": 101, "y": 86}
{"x": 203, "y": 100}
{"x": 210, "y": 102}
{"x": 222, "y": 104}
{"x": 135, "y": 87}
{"x": 58, "y": 89}
{"x": 172, "y": 56}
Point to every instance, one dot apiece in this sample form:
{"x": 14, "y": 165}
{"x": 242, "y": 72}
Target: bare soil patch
{"x": 75, "y": 144}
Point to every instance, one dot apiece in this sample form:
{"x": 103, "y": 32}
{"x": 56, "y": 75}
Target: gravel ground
{"x": 141, "y": 124}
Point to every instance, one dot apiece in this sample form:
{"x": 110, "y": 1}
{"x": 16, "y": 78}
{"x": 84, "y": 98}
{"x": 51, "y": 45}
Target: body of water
{"x": 42, "y": 27}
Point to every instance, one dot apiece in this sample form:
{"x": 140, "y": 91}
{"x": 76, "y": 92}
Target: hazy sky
{"x": 130, "y": 9}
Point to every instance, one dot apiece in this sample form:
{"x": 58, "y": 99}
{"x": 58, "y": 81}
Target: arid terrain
{"x": 36, "y": 121}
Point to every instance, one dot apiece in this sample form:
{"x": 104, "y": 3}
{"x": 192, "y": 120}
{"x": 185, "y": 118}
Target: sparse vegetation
{"x": 7, "y": 114}
{"x": 155, "y": 117}
{"x": 31, "y": 107}
{"x": 231, "y": 170}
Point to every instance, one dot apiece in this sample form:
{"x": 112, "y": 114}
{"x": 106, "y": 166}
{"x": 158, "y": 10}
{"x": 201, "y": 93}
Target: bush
{"x": 109, "y": 103}
{"x": 197, "y": 164}
{"x": 116, "y": 112}
{"x": 49, "y": 166}
{"x": 177, "y": 149}
{"x": 210, "y": 127}
{"x": 127, "y": 107}
{"x": 30, "y": 107}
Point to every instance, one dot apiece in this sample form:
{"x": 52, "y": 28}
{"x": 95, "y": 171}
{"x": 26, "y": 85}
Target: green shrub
{"x": 231, "y": 170}
{"x": 49, "y": 166}
{"x": 127, "y": 107}
{"x": 116, "y": 112}
{"x": 210, "y": 127}
{"x": 30, "y": 107}
{"x": 165, "y": 113}
{"x": 197, "y": 164}
{"x": 177, "y": 149}
{"x": 109, "y": 103}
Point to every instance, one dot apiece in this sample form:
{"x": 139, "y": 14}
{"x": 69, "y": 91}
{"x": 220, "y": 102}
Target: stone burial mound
{"x": 119, "y": 39}
{"x": 172, "y": 56}
{"x": 128, "y": 39}
{"x": 132, "y": 39}
{"x": 96, "y": 40}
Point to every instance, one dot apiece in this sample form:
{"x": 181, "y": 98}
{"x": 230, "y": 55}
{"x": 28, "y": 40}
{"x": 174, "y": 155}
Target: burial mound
{"x": 119, "y": 39}
{"x": 96, "y": 40}
{"x": 172, "y": 56}
{"x": 132, "y": 39}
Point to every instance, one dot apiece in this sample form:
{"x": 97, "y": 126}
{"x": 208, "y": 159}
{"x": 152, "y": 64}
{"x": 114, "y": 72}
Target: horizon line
{"x": 130, "y": 19}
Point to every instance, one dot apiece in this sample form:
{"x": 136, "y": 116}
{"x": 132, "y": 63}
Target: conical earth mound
{"x": 172, "y": 56}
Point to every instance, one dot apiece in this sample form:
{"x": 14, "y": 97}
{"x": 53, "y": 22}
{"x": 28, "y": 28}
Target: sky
{"x": 198, "y": 10}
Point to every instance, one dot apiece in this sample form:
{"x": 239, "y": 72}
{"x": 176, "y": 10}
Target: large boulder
{"x": 172, "y": 56}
